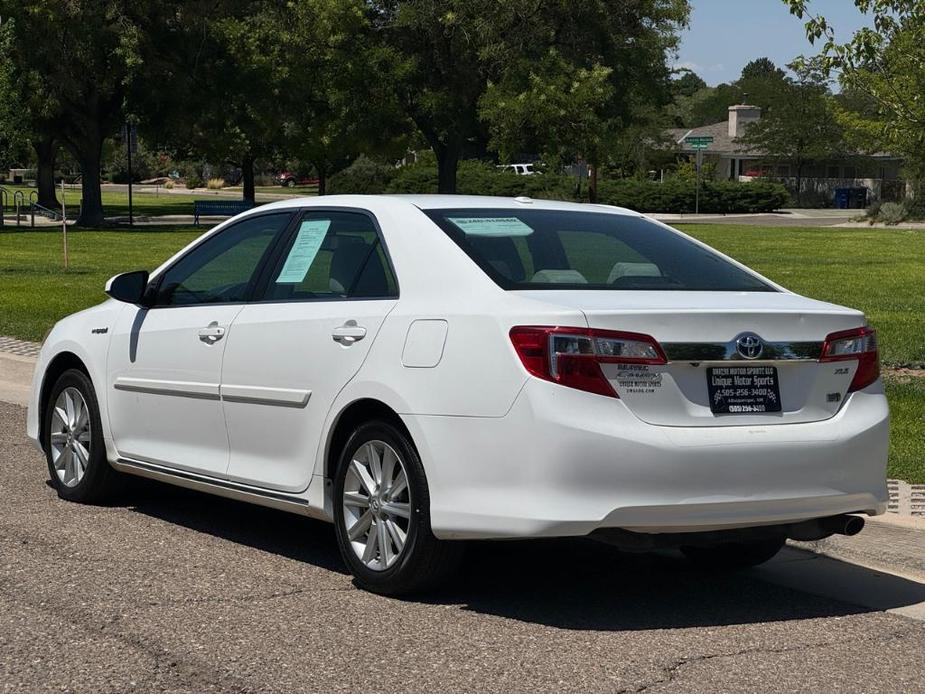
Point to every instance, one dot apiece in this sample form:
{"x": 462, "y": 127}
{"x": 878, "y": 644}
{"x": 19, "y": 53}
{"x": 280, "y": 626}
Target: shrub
{"x": 194, "y": 181}
{"x": 479, "y": 178}
{"x": 679, "y": 196}
{"x": 215, "y": 183}
{"x": 413, "y": 178}
{"x": 892, "y": 213}
{"x": 169, "y": 184}
{"x": 363, "y": 176}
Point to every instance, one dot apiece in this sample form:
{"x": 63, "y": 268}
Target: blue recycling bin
{"x": 850, "y": 198}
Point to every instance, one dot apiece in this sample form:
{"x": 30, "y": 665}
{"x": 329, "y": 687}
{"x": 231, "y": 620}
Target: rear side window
{"x": 332, "y": 255}
{"x": 552, "y": 249}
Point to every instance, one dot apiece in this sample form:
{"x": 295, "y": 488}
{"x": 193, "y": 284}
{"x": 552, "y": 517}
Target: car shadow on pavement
{"x": 565, "y": 583}
{"x": 285, "y": 534}
{"x": 585, "y": 585}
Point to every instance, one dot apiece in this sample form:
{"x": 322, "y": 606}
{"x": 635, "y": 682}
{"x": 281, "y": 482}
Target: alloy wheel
{"x": 377, "y": 505}
{"x": 70, "y": 437}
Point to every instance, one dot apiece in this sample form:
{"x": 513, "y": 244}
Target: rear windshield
{"x": 551, "y": 249}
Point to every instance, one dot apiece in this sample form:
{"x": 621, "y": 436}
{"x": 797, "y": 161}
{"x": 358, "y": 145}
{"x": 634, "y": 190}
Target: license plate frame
{"x": 741, "y": 389}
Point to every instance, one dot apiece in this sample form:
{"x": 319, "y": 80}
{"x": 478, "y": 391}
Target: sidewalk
{"x": 891, "y": 543}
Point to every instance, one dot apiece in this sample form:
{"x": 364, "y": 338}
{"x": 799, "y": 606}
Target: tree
{"x": 687, "y": 83}
{"x": 84, "y": 71}
{"x": 801, "y": 127}
{"x": 433, "y": 61}
{"x": 573, "y": 79}
{"x": 760, "y": 69}
{"x": 887, "y": 64}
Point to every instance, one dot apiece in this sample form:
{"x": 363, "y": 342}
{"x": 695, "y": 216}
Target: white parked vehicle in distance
{"x": 428, "y": 369}
{"x": 519, "y": 169}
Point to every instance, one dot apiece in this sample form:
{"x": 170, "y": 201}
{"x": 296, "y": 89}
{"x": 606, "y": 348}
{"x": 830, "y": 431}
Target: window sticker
{"x": 302, "y": 254}
{"x": 491, "y": 226}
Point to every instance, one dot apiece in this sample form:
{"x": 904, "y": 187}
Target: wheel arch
{"x": 357, "y": 412}
{"x": 61, "y": 362}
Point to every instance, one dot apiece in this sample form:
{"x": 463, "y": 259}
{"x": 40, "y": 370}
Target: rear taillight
{"x": 573, "y": 356}
{"x": 857, "y": 344}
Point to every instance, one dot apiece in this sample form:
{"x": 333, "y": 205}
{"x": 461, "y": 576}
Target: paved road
{"x": 171, "y": 590}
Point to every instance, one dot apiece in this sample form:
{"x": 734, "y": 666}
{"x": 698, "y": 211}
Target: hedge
{"x": 678, "y": 196}
{"x": 478, "y": 178}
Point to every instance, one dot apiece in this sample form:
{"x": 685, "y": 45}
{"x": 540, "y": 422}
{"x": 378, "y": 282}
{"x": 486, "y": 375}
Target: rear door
{"x": 291, "y": 352}
{"x": 165, "y": 361}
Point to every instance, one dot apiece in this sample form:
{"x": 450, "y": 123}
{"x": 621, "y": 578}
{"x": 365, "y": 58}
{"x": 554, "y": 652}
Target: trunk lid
{"x": 699, "y": 332}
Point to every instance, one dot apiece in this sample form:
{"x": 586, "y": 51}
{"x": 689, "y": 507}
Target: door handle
{"x": 348, "y": 333}
{"x": 212, "y": 334}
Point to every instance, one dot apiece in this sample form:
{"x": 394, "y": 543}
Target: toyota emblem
{"x": 749, "y": 346}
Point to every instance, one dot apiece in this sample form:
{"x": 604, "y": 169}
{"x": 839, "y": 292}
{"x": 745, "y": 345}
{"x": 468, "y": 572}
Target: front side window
{"x": 332, "y": 255}
{"x": 553, "y": 249}
{"x": 220, "y": 269}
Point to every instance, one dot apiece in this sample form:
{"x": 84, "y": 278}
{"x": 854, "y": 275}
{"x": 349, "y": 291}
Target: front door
{"x": 291, "y": 352}
{"x": 165, "y": 361}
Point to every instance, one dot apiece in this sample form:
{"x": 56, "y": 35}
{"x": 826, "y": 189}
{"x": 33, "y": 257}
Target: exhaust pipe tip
{"x": 852, "y": 525}
{"x": 821, "y": 528}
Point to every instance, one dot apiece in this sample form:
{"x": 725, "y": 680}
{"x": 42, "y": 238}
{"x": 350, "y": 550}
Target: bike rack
{"x": 19, "y": 200}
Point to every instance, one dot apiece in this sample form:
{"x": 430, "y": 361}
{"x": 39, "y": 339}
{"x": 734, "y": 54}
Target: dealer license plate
{"x": 743, "y": 389}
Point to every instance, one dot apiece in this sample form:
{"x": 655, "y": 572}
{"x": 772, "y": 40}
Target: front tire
{"x": 732, "y": 556}
{"x": 73, "y": 441}
{"x": 382, "y": 514}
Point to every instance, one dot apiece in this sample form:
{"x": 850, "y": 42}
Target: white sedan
{"x": 430, "y": 369}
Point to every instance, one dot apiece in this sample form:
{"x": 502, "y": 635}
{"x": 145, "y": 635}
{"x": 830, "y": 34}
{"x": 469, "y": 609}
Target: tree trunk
{"x": 88, "y": 153}
{"x": 46, "y": 149}
{"x": 247, "y": 175}
{"x": 322, "y": 180}
{"x": 447, "y": 161}
{"x": 799, "y": 184}
{"x": 592, "y": 184}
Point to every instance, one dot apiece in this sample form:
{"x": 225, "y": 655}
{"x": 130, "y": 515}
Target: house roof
{"x": 730, "y": 146}
{"x": 722, "y": 143}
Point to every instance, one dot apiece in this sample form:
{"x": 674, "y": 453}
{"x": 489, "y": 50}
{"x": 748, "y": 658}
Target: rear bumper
{"x": 563, "y": 462}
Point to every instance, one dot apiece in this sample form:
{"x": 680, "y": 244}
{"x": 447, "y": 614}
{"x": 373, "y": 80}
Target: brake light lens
{"x": 573, "y": 356}
{"x": 856, "y": 344}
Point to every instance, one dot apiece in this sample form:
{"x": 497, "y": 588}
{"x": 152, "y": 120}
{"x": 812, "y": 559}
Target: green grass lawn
{"x": 907, "y": 428}
{"x": 880, "y": 272}
{"x": 35, "y": 291}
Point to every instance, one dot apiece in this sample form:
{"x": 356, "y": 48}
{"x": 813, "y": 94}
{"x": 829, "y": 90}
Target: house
{"x": 733, "y": 160}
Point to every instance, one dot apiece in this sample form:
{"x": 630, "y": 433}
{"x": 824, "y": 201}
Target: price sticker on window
{"x": 302, "y": 254}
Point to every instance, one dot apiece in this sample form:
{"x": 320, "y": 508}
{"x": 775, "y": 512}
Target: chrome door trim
{"x": 261, "y": 395}
{"x": 224, "y": 488}
{"x": 186, "y": 389}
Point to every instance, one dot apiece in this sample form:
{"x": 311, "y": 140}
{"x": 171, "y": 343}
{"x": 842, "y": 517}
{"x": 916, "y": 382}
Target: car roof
{"x": 437, "y": 202}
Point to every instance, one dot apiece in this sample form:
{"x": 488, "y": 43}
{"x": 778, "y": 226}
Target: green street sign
{"x": 699, "y": 142}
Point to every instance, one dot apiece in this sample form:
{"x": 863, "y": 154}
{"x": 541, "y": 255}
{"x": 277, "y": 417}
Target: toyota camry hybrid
{"x": 425, "y": 370}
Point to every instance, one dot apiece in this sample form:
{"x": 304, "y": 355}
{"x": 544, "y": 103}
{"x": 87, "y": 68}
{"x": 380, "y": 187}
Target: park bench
{"x": 219, "y": 208}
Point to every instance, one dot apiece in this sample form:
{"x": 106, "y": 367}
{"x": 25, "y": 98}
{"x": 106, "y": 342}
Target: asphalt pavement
{"x": 170, "y": 590}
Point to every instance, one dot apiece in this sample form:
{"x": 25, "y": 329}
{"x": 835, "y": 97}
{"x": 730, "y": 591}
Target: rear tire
{"x": 73, "y": 441}
{"x": 382, "y": 514}
{"x": 732, "y": 556}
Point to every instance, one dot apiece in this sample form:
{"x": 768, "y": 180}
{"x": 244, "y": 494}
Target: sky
{"x": 726, "y": 34}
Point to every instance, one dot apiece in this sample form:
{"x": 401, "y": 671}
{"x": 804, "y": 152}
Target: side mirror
{"x": 128, "y": 287}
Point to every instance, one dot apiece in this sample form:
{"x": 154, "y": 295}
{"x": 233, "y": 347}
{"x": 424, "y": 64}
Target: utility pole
{"x": 129, "y": 145}
{"x": 697, "y": 193}
{"x": 64, "y": 222}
